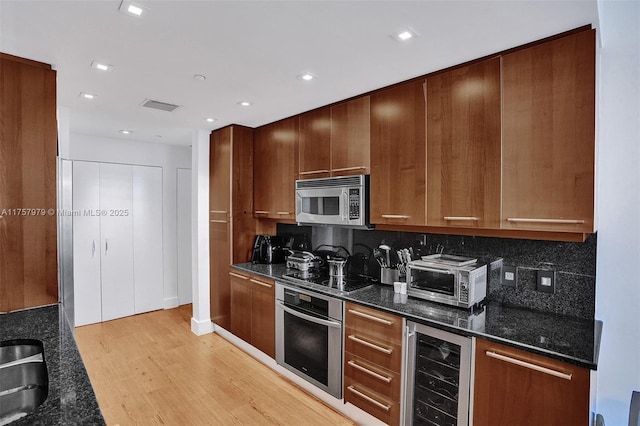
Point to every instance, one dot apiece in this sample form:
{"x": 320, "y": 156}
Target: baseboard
{"x": 170, "y": 303}
{"x": 201, "y": 327}
{"x": 354, "y": 413}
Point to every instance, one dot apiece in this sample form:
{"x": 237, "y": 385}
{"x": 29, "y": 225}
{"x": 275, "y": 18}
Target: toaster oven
{"x": 452, "y": 280}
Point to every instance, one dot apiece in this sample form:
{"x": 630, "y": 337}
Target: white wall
{"x": 618, "y": 257}
{"x": 170, "y": 158}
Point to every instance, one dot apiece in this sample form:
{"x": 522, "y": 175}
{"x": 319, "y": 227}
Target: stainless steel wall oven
{"x": 309, "y": 336}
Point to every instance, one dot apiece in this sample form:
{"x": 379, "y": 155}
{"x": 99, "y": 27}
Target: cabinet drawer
{"x": 374, "y": 324}
{"x": 372, "y": 376}
{"x": 372, "y": 402}
{"x": 385, "y": 354}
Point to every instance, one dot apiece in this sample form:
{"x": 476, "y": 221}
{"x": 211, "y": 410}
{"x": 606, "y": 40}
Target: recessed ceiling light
{"x": 199, "y": 77}
{"x": 126, "y": 132}
{"x": 404, "y": 35}
{"x": 210, "y": 120}
{"x": 244, "y": 103}
{"x": 306, "y": 76}
{"x": 87, "y": 95}
{"x": 101, "y": 66}
{"x": 131, "y": 8}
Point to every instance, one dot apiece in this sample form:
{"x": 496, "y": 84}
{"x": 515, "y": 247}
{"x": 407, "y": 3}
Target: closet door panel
{"x": 147, "y": 239}
{"x": 117, "y": 240}
{"x": 86, "y": 243}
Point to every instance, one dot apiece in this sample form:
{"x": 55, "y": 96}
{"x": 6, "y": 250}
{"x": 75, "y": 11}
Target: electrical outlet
{"x": 509, "y": 276}
{"x": 546, "y": 281}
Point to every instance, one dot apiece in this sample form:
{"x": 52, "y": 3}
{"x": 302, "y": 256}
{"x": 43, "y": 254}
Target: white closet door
{"x": 147, "y": 238}
{"x": 116, "y": 229}
{"x": 86, "y": 243}
{"x": 183, "y": 210}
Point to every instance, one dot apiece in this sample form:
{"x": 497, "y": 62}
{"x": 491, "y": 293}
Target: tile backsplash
{"x": 574, "y": 264}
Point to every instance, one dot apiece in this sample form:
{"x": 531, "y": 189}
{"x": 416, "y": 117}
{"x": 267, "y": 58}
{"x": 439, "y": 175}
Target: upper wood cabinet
{"x": 28, "y": 148}
{"x": 315, "y": 143}
{"x": 514, "y": 387}
{"x": 350, "y": 137}
{"x": 463, "y": 146}
{"x": 398, "y": 155}
{"x": 548, "y": 138}
{"x": 275, "y": 169}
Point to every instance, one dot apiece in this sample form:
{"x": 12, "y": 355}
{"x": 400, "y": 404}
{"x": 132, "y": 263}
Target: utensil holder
{"x": 389, "y": 275}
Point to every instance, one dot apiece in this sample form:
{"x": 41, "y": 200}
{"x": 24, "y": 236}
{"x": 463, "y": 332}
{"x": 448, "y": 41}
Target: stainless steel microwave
{"x": 448, "y": 279}
{"x": 337, "y": 201}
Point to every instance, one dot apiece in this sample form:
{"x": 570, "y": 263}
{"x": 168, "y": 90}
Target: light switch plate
{"x": 509, "y": 276}
{"x": 546, "y": 281}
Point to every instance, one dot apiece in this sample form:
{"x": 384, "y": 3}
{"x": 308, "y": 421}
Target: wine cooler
{"x": 438, "y": 377}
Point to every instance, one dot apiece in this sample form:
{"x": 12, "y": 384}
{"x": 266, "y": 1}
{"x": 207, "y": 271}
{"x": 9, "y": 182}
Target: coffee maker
{"x": 267, "y": 249}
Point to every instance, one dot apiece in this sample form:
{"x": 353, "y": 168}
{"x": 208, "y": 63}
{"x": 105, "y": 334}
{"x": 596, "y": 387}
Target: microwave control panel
{"x": 354, "y": 203}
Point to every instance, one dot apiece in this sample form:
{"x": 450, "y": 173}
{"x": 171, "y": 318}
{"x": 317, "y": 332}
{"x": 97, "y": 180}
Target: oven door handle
{"x": 424, "y": 268}
{"x": 309, "y": 317}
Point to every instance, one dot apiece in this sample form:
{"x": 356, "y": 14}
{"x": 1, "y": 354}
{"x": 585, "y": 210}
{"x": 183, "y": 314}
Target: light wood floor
{"x": 150, "y": 369}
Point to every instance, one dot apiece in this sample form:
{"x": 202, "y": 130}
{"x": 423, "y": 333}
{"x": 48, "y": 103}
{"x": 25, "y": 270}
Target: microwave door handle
{"x": 298, "y": 203}
{"x": 345, "y": 199}
{"x": 440, "y": 271}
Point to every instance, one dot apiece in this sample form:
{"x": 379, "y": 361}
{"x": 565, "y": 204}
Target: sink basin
{"x": 24, "y": 381}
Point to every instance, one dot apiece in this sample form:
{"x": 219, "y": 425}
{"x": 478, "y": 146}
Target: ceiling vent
{"x": 163, "y": 106}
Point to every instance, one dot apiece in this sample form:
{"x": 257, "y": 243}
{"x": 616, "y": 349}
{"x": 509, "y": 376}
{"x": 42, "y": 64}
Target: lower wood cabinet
{"x": 373, "y": 362}
{"x": 513, "y": 387}
{"x": 253, "y": 312}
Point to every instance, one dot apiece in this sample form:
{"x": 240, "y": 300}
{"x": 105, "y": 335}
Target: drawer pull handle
{"x": 370, "y": 345}
{"x": 312, "y": 172}
{"x": 355, "y": 391}
{"x": 395, "y": 216}
{"x": 219, "y": 211}
{"x": 261, "y": 212}
{"x": 218, "y": 221}
{"x": 466, "y": 218}
{"x": 260, "y": 283}
{"x": 370, "y": 372}
{"x": 528, "y": 365}
{"x": 371, "y": 317}
{"x": 530, "y": 220}
{"x": 283, "y": 213}
{"x": 346, "y": 169}
{"x": 233, "y": 274}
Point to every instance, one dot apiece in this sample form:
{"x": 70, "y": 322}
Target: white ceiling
{"x": 254, "y": 50}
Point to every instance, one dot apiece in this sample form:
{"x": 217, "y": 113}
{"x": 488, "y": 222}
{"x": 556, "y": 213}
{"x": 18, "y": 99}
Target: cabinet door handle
{"x": 395, "y": 216}
{"x": 466, "y": 218}
{"x": 529, "y": 365}
{"x": 370, "y": 372}
{"x": 347, "y": 169}
{"x": 261, "y": 212}
{"x": 263, "y": 284}
{"x": 283, "y": 213}
{"x": 218, "y": 221}
{"x": 312, "y": 172}
{"x": 106, "y": 246}
{"x": 93, "y": 248}
{"x": 387, "y": 351}
{"x": 533, "y": 220}
{"x": 219, "y": 211}
{"x": 355, "y": 391}
{"x": 371, "y": 317}
{"x": 233, "y": 274}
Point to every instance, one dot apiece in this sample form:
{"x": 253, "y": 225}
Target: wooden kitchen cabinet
{"x": 315, "y": 143}
{"x": 253, "y": 317}
{"x": 513, "y": 387}
{"x": 398, "y": 155}
{"x": 548, "y": 136}
{"x": 463, "y": 146}
{"x": 351, "y": 137}
{"x": 275, "y": 169}
{"x": 230, "y": 202}
{"x": 373, "y": 361}
{"x": 28, "y": 149}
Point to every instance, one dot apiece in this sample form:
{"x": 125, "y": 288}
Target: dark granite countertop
{"x": 573, "y": 340}
{"x": 71, "y": 399}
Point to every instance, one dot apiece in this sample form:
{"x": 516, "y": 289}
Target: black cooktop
{"x": 321, "y": 278}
